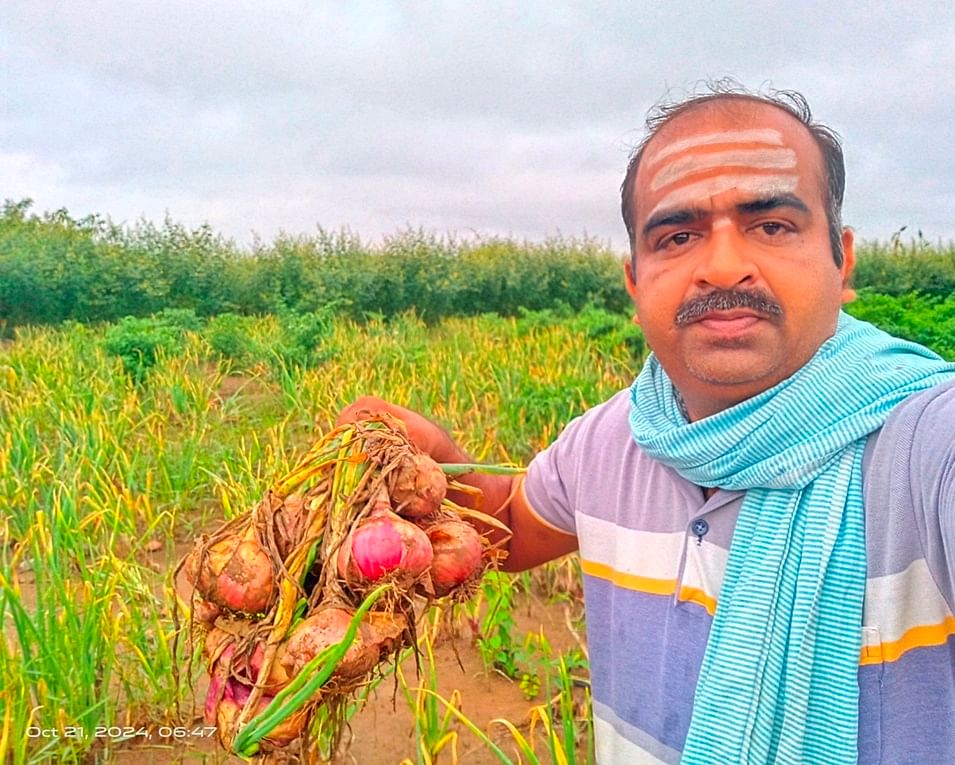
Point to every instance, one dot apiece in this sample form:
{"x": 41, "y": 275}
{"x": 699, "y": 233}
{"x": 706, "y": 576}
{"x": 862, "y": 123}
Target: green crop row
{"x": 305, "y": 340}
{"x": 121, "y": 442}
{"x": 55, "y": 268}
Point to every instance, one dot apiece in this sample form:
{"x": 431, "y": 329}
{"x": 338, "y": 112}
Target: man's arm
{"x": 532, "y": 542}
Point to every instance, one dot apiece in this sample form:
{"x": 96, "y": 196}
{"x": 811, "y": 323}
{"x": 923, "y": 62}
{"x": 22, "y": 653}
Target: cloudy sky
{"x": 465, "y": 117}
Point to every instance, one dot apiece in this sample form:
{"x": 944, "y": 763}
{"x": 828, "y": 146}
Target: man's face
{"x": 735, "y": 283}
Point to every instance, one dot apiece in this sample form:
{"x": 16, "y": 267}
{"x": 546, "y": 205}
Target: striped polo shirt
{"x": 653, "y": 551}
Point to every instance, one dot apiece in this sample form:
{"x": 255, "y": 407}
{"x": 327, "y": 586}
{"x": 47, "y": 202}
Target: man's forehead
{"x": 726, "y": 122}
{"x": 754, "y": 148}
{"x": 706, "y": 139}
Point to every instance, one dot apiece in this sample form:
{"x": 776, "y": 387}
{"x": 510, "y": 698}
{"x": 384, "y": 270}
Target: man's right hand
{"x": 423, "y": 433}
{"x": 532, "y": 542}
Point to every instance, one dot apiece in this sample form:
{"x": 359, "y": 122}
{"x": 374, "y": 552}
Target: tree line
{"x": 54, "y": 268}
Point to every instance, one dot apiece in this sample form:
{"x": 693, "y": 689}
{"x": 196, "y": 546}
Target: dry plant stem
{"x": 176, "y": 635}
{"x": 263, "y": 518}
{"x": 575, "y": 634}
{"x": 271, "y": 649}
{"x": 289, "y": 593}
{"x": 346, "y": 484}
{"x": 382, "y": 451}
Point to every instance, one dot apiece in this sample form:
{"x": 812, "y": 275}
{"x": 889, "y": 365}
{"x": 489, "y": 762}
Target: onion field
{"x": 120, "y": 443}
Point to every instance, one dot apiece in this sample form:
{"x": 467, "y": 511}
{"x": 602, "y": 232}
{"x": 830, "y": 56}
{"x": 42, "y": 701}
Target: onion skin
{"x": 375, "y": 548}
{"x": 278, "y": 675}
{"x": 234, "y": 573}
{"x": 228, "y": 694}
{"x": 324, "y": 629}
{"x": 215, "y": 643}
{"x": 286, "y": 732}
{"x": 218, "y": 677}
{"x": 205, "y": 611}
{"x": 418, "y": 486}
{"x": 225, "y": 719}
{"x": 226, "y": 716}
{"x": 387, "y": 629}
{"x": 200, "y": 610}
{"x": 458, "y": 555}
{"x": 384, "y": 545}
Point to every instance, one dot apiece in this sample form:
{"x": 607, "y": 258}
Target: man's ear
{"x": 848, "y": 264}
{"x": 630, "y": 280}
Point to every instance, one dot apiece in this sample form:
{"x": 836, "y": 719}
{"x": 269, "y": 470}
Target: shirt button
{"x": 700, "y": 527}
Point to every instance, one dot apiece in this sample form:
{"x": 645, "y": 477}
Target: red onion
{"x": 386, "y": 628}
{"x": 326, "y": 628}
{"x": 278, "y": 676}
{"x": 218, "y": 679}
{"x": 234, "y": 573}
{"x": 285, "y": 732}
{"x": 228, "y": 695}
{"x": 384, "y": 545}
{"x": 457, "y": 555}
{"x": 226, "y": 716}
{"x": 289, "y": 523}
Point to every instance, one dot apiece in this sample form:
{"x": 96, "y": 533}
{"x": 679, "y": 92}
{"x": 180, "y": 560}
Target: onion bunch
{"x": 298, "y": 602}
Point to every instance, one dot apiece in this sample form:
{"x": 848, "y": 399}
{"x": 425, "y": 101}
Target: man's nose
{"x": 725, "y": 260}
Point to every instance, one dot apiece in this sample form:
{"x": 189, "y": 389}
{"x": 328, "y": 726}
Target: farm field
{"x": 107, "y": 472}
{"x": 122, "y": 439}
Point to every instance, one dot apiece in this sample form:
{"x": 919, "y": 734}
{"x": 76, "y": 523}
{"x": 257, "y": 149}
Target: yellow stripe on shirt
{"x": 628, "y": 581}
{"x": 923, "y": 636}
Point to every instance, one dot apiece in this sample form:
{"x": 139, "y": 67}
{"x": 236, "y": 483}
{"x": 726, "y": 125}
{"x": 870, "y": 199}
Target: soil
{"x": 252, "y": 390}
{"x": 383, "y": 733}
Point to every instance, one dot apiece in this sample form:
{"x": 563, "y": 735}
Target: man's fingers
{"x": 423, "y": 433}
{"x": 361, "y": 408}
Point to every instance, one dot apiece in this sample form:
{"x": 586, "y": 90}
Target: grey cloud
{"x": 494, "y": 116}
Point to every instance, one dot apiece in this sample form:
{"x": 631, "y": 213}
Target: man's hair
{"x": 789, "y": 101}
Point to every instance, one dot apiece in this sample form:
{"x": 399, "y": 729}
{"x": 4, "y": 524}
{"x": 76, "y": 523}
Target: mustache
{"x": 725, "y": 300}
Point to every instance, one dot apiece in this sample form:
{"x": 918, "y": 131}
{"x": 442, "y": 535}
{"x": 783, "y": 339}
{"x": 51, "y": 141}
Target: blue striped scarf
{"x": 779, "y": 681}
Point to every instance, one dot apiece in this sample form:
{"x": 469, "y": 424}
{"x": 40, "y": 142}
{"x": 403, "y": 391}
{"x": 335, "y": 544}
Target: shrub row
{"x": 54, "y": 268}
{"x": 924, "y": 319}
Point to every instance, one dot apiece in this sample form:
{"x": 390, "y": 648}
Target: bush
{"x": 305, "y": 338}
{"x": 179, "y": 319}
{"x": 54, "y": 268}
{"x": 229, "y": 336}
{"x": 611, "y": 330}
{"x": 898, "y": 269}
{"x": 923, "y": 319}
{"x": 140, "y": 342}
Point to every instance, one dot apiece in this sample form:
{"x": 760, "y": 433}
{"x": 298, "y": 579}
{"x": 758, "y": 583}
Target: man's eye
{"x": 679, "y": 239}
{"x": 772, "y": 228}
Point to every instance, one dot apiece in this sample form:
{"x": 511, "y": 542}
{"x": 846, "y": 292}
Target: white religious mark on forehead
{"x": 758, "y": 159}
{"x": 760, "y": 186}
{"x": 757, "y": 135}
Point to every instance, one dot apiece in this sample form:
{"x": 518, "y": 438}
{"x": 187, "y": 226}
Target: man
{"x": 766, "y": 519}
